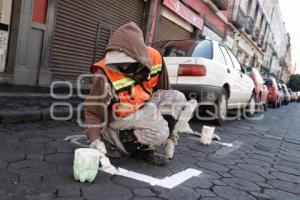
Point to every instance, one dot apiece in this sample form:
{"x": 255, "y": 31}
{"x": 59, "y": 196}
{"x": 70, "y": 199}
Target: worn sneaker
{"x": 151, "y": 157}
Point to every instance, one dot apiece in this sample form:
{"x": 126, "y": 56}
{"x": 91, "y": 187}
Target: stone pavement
{"x": 264, "y": 163}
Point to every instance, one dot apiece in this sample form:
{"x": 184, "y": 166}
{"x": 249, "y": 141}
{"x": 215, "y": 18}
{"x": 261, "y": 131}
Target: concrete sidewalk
{"x": 20, "y": 104}
{"x": 36, "y": 163}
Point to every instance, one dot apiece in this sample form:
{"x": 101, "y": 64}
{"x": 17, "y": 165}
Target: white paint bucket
{"x": 86, "y": 164}
{"x": 207, "y": 135}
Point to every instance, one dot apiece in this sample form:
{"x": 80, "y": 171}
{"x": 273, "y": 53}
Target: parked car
{"x": 274, "y": 98}
{"x": 281, "y": 94}
{"x": 298, "y": 98}
{"x": 287, "y": 96}
{"x": 294, "y": 96}
{"x": 261, "y": 90}
{"x": 291, "y": 94}
{"x": 209, "y": 72}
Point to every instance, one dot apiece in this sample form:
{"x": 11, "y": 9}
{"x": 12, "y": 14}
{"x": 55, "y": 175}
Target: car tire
{"x": 250, "y": 108}
{"x": 222, "y": 106}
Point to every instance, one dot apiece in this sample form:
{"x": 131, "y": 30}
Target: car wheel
{"x": 250, "y": 108}
{"x": 222, "y": 106}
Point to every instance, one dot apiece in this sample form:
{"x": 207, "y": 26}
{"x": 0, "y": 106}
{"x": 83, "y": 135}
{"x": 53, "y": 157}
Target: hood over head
{"x": 128, "y": 41}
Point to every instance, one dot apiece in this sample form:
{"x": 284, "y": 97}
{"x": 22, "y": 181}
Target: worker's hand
{"x": 98, "y": 145}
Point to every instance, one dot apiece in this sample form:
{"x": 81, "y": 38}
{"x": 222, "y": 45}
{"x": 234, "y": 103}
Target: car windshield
{"x": 185, "y": 48}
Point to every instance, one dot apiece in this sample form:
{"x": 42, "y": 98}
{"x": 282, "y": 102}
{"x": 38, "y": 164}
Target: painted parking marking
{"x": 167, "y": 182}
{"x": 224, "y": 151}
{"x": 223, "y": 144}
{"x": 77, "y": 139}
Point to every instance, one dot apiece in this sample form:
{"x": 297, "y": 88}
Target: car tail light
{"x": 191, "y": 70}
{"x": 272, "y": 91}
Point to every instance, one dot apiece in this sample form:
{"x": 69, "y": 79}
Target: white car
{"x": 209, "y": 72}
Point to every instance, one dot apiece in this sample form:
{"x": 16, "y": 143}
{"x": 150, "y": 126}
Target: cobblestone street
{"x": 263, "y": 163}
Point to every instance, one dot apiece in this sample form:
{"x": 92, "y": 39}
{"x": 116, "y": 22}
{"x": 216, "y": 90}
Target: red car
{"x": 273, "y": 95}
{"x": 261, "y": 90}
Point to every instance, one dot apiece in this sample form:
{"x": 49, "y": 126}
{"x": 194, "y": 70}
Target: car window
{"x": 219, "y": 56}
{"x": 204, "y": 50}
{"x": 268, "y": 82}
{"x": 181, "y": 48}
{"x": 226, "y": 56}
{"x": 235, "y": 62}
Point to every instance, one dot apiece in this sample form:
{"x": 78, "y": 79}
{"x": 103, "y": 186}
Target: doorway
{"x": 5, "y": 21}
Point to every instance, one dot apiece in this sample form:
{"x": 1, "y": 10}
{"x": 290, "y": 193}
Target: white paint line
{"x": 216, "y": 142}
{"x": 224, "y": 151}
{"x": 74, "y": 139}
{"x": 224, "y": 144}
{"x": 167, "y": 182}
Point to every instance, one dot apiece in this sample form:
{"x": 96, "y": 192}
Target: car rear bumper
{"x": 202, "y": 93}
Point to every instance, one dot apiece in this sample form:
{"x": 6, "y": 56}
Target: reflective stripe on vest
{"x": 123, "y": 83}
{"x": 155, "y": 69}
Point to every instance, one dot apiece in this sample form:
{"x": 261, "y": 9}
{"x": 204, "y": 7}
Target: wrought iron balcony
{"x": 221, "y": 4}
{"x": 264, "y": 47}
{"x": 249, "y": 25}
{"x": 255, "y": 34}
{"x": 238, "y": 20}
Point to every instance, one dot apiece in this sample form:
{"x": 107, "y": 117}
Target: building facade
{"x": 47, "y": 40}
{"x": 278, "y": 61}
{"x": 251, "y": 28}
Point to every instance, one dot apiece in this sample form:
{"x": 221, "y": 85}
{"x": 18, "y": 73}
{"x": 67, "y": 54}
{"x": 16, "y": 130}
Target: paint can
{"x": 207, "y": 135}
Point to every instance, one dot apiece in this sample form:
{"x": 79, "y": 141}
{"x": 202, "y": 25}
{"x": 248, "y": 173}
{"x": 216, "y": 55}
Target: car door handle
{"x": 228, "y": 71}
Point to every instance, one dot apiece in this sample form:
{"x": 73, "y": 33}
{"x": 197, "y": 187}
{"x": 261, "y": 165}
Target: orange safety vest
{"x": 132, "y": 95}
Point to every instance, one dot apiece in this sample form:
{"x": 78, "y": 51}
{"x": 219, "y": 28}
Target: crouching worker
{"x": 134, "y": 104}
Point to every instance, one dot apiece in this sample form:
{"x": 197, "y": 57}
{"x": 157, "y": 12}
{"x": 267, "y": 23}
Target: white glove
{"x": 98, "y": 145}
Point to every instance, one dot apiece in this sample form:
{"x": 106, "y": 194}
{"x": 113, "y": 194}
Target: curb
{"x": 16, "y": 117}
